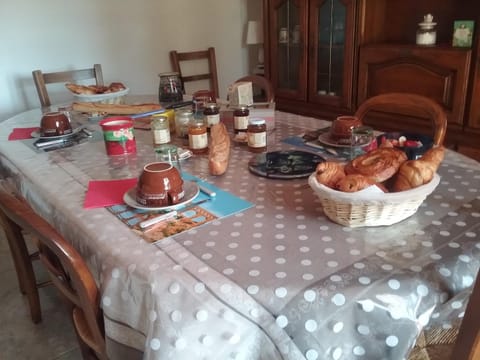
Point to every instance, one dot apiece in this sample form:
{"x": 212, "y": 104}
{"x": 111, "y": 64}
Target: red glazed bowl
{"x": 159, "y": 184}
{"x": 342, "y": 127}
{"x": 55, "y": 124}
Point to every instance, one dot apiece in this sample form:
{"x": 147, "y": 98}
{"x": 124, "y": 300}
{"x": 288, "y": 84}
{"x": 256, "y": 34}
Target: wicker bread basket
{"x": 116, "y": 97}
{"x": 370, "y": 208}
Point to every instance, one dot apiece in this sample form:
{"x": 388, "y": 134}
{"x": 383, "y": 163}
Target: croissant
{"x": 414, "y": 173}
{"x": 329, "y": 173}
{"x": 219, "y": 151}
{"x": 354, "y": 182}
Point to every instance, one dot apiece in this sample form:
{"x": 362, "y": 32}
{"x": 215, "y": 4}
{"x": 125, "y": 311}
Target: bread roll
{"x": 219, "y": 149}
{"x": 414, "y": 173}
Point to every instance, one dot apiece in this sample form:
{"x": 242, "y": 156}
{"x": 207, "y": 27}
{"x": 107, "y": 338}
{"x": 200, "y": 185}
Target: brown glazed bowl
{"x": 160, "y": 184}
{"x": 55, "y": 124}
{"x": 342, "y": 127}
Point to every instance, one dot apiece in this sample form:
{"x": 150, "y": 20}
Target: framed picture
{"x": 463, "y": 33}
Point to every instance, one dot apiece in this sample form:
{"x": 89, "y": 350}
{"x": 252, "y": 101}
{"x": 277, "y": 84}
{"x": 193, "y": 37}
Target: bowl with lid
{"x": 55, "y": 124}
{"x": 159, "y": 184}
{"x": 342, "y": 126}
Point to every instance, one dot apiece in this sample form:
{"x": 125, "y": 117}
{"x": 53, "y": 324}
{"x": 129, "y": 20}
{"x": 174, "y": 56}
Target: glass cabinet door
{"x": 288, "y": 43}
{"x": 331, "y": 66}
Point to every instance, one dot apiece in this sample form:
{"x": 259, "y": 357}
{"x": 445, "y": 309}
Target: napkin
{"x": 101, "y": 193}
{"x": 22, "y": 133}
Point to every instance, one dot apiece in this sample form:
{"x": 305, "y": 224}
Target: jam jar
{"x": 211, "y": 114}
{"x": 257, "y": 135}
{"x": 197, "y": 136}
{"x": 182, "y": 120}
{"x": 160, "y": 130}
{"x": 240, "y": 119}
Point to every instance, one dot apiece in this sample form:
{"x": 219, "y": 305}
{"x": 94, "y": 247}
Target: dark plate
{"x": 292, "y": 164}
{"x": 412, "y": 152}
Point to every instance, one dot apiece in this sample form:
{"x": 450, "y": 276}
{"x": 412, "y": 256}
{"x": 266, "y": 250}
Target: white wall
{"x": 130, "y": 38}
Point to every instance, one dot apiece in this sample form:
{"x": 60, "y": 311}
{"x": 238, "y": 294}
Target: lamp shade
{"x": 254, "y": 32}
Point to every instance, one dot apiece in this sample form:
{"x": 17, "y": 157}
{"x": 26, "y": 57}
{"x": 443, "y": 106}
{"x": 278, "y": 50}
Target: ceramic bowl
{"x": 55, "y": 124}
{"x": 415, "y": 147}
{"x": 159, "y": 184}
{"x": 342, "y": 127}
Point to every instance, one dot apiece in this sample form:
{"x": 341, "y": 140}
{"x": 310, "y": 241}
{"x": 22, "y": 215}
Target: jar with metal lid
{"x": 211, "y": 114}
{"x": 182, "y": 120}
{"x": 240, "y": 119}
{"x": 257, "y": 135}
{"x": 160, "y": 130}
{"x": 197, "y": 136}
{"x": 170, "y": 88}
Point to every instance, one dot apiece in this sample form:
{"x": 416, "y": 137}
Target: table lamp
{"x": 255, "y": 37}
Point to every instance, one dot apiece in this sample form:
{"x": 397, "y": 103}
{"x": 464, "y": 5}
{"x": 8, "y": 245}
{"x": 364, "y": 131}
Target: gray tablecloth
{"x": 278, "y": 281}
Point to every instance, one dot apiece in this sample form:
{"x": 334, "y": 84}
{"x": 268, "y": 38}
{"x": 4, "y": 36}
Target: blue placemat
{"x": 221, "y": 205}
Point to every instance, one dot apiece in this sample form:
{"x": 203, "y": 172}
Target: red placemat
{"x": 22, "y": 133}
{"x": 101, "y": 193}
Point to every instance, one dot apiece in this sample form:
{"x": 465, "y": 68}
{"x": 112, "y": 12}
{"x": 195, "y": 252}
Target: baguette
{"x": 114, "y": 109}
{"x": 219, "y": 151}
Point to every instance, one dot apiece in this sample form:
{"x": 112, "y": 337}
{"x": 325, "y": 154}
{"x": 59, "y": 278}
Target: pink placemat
{"x": 101, "y": 193}
{"x": 22, "y": 133}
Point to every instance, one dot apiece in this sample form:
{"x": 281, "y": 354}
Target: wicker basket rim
{"x": 368, "y": 196}
{"x": 99, "y": 97}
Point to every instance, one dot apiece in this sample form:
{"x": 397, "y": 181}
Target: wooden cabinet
{"x": 311, "y": 52}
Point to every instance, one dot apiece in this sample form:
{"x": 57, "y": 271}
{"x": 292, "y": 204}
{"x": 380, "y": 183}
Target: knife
{"x": 169, "y": 215}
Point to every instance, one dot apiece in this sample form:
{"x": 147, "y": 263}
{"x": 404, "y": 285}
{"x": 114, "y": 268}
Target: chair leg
{"x": 25, "y": 274}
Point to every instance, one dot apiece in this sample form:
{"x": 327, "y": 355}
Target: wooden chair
{"x": 401, "y": 103}
{"x": 68, "y": 271}
{"x": 176, "y": 58}
{"x": 42, "y": 79}
{"x": 262, "y": 83}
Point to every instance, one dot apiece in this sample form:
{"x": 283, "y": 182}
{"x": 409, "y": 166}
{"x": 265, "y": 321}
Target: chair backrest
{"x": 42, "y": 79}
{"x": 262, "y": 83}
{"x": 68, "y": 271}
{"x": 399, "y": 103}
{"x": 467, "y": 343}
{"x": 176, "y": 58}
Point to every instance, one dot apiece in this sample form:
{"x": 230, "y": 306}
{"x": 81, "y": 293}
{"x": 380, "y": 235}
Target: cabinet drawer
{"x": 440, "y": 73}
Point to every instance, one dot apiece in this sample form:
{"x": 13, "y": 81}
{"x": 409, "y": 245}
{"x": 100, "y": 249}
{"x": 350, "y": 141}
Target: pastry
{"x": 329, "y": 173}
{"x": 414, "y": 173}
{"x": 219, "y": 149}
{"x": 379, "y": 164}
{"x": 354, "y": 182}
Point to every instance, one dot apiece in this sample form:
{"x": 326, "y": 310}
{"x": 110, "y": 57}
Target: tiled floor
{"x": 20, "y": 338}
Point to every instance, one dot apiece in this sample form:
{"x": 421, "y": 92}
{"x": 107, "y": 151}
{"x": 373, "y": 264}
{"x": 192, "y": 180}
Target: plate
{"x": 36, "y": 134}
{"x": 325, "y": 139}
{"x": 291, "y": 164}
{"x": 191, "y": 191}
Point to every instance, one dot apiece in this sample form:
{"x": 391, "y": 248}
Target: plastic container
{"x": 118, "y": 135}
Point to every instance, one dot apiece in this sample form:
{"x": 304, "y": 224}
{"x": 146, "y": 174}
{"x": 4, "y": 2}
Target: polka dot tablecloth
{"x": 277, "y": 281}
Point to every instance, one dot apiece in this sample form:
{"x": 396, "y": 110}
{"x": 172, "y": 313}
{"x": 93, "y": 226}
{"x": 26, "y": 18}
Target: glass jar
{"x": 211, "y": 114}
{"x": 160, "y": 130}
{"x": 170, "y": 88}
{"x": 240, "y": 119}
{"x": 197, "y": 136}
{"x": 257, "y": 135}
{"x": 426, "y": 34}
{"x": 182, "y": 120}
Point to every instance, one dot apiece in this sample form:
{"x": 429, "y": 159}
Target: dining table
{"x": 275, "y": 280}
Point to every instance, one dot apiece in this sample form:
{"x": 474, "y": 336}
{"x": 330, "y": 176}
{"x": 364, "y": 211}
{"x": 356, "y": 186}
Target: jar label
{"x": 240, "y": 122}
{"x": 161, "y": 136}
{"x": 212, "y": 119}
{"x": 257, "y": 140}
{"x": 198, "y": 141}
